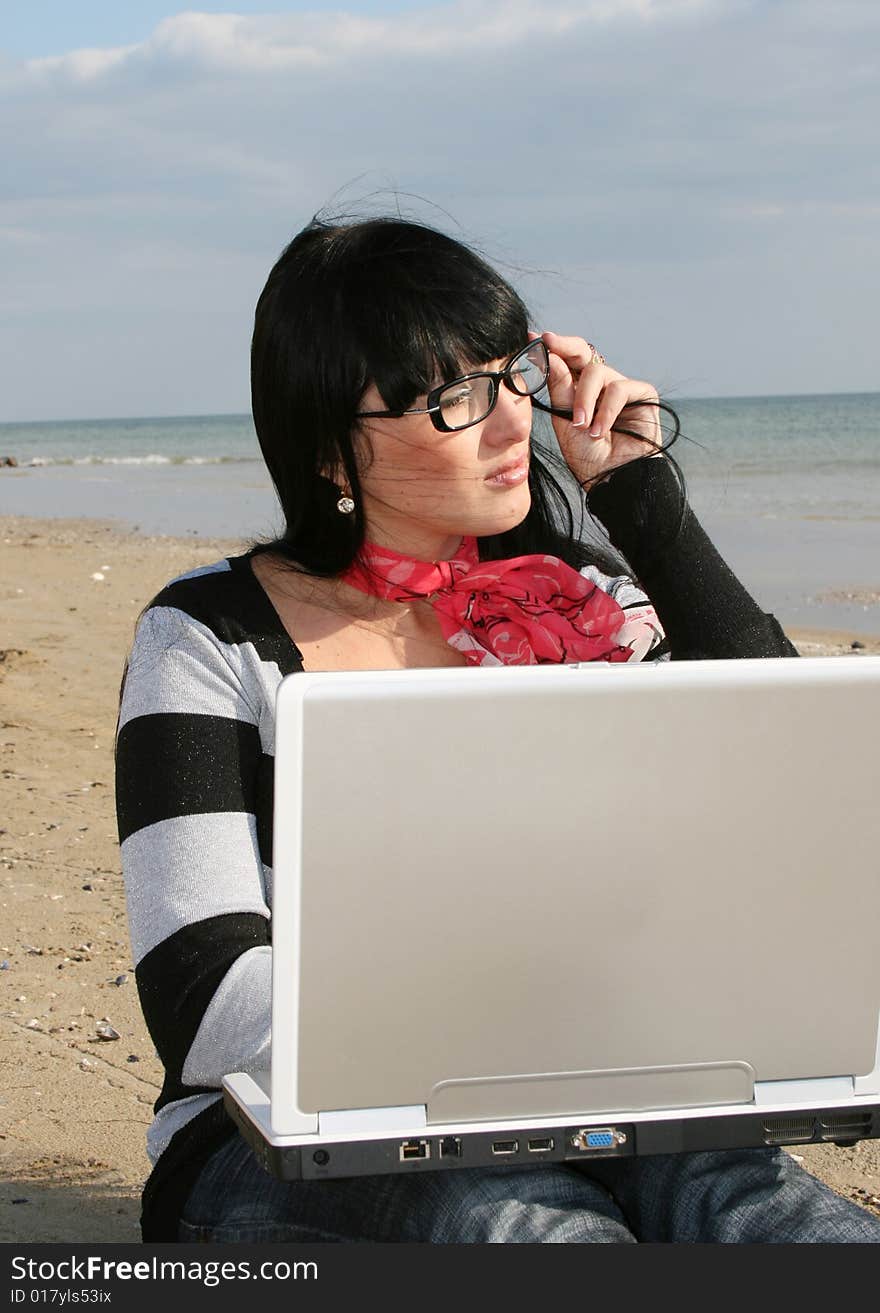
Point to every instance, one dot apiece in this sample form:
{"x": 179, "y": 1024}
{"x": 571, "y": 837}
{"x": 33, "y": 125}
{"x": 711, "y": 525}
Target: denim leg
{"x": 743, "y": 1196}
{"x": 510, "y": 1205}
{"x": 234, "y": 1200}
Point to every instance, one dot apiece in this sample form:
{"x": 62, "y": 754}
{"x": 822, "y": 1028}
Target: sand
{"x": 75, "y": 1104}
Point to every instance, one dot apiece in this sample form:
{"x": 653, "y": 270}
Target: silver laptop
{"x": 542, "y": 914}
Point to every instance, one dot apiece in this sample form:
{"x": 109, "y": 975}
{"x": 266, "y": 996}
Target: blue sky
{"x": 690, "y": 183}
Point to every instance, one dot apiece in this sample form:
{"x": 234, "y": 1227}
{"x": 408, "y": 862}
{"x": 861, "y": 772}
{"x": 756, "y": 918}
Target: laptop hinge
{"x": 870, "y": 1082}
{"x": 350, "y": 1121}
{"x": 827, "y": 1089}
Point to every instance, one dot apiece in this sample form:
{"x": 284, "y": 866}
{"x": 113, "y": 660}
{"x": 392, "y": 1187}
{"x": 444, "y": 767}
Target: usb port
{"x": 542, "y": 1145}
{"x": 413, "y": 1149}
{"x": 505, "y": 1146}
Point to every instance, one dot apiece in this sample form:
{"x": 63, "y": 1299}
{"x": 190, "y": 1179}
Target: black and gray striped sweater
{"x": 194, "y": 797}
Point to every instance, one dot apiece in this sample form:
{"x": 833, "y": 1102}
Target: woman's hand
{"x": 596, "y": 395}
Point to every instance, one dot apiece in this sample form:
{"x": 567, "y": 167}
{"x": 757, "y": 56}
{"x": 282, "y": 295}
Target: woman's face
{"x": 424, "y": 490}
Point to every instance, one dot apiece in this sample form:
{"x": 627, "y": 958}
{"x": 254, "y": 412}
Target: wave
{"x": 152, "y": 459}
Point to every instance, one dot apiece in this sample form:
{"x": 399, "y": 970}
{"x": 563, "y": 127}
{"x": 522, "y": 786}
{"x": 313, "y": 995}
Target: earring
{"x": 345, "y": 505}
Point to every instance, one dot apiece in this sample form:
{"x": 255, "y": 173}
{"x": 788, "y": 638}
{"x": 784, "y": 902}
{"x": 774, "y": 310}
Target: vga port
{"x": 591, "y": 1138}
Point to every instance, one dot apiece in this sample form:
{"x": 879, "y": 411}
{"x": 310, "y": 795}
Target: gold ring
{"x": 597, "y": 358}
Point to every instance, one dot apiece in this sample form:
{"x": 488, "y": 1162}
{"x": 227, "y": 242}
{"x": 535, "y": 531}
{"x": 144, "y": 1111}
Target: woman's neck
{"x": 420, "y": 542}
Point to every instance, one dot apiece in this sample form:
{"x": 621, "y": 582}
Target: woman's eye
{"x": 458, "y": 396}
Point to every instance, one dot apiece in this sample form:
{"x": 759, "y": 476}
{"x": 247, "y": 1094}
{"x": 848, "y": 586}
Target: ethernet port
{"x": 412, "y": 1150}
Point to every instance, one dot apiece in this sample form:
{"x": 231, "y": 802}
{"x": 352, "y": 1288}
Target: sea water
{"x": 787, "y": 487}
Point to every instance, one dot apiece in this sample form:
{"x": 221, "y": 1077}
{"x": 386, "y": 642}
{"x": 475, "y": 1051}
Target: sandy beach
{"x": 78, "y": 1074}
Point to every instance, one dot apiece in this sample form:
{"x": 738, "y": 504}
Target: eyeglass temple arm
{"x": 562, "y": 412}
{"x": 395, "y": 414}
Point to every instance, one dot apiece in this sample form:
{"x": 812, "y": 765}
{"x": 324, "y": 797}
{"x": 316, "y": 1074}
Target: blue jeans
{"x": 746, "y": 1196}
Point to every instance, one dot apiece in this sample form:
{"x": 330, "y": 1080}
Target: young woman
{"x": 396, "y": 386}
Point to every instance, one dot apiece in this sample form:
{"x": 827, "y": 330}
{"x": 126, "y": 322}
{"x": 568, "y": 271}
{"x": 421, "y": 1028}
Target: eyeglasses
{"x": 467, "y": 400}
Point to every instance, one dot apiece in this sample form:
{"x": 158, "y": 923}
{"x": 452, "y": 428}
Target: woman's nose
{"x": 510, "y": 420}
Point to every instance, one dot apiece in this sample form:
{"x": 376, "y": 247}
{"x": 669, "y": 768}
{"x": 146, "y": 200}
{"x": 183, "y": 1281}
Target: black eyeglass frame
{"x": 496, "y": 378}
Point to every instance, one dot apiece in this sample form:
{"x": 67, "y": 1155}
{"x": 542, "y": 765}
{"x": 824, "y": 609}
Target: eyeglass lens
{"x": 470, "y": 400}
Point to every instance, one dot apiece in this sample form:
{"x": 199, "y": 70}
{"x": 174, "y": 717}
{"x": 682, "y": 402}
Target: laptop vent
{"x": 832, "y": 1126}
{"x": 845, "y": 1126}
{"x": 789, "y": 1130}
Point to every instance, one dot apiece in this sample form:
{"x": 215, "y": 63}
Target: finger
{"x": 612, "y": 399}
{"x": 645, "y": 421}
{"x": 587, "y": 391}
{"x": 577, "y": 352}
{"x": 561, "y": 383}
{"x": 616, "y": 395}
{"x": 642, "y": 419}
{"x": 590, "y": 377}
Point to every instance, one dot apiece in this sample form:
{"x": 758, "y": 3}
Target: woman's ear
{"x": 337, "y": 476}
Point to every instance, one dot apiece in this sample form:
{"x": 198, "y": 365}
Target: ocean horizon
{"x": 788, "y": 487}
{"x": 12, "y": 426}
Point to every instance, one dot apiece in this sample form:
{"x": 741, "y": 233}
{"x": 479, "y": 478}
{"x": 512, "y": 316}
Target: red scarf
{"x": 530, "y": 610}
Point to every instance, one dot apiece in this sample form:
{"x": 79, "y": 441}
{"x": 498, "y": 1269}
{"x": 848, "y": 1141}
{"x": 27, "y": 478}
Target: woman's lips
{"x": 511, "y": 475}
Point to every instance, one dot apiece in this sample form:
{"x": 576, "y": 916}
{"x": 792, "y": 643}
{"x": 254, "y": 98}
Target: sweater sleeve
{"x": 190, "y": 771}
{"x": 702, "y": 606}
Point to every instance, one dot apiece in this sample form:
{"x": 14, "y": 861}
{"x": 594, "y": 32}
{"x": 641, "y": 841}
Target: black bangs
{"x": 425, "y": 309}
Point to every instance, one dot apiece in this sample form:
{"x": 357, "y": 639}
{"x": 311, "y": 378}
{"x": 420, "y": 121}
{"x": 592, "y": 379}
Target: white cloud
{"x": 80, "y": 65}
{"x": 273, "y": 43}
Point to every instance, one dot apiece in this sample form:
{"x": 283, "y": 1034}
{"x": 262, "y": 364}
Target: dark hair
{"x": 394, "y": 303}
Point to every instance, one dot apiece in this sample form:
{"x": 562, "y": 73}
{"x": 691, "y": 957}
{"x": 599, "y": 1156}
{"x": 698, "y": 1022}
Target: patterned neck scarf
{"x": 526, "y": 611}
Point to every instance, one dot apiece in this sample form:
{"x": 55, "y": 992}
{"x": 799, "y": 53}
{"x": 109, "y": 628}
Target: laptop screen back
{"x": 534, "y": 891}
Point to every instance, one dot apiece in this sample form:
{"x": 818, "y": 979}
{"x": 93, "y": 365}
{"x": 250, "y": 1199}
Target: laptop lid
{"x": 539, "y": 891}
